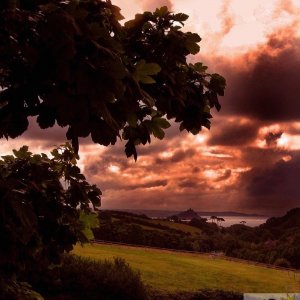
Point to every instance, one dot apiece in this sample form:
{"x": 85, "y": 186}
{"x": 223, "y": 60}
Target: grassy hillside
{"x": 150, "y": 223}
{"x": 276, "y": 242}
{"x": 172, "y": 271}
{"x": 178, "y": 226}
{"x": 128, "y": 228}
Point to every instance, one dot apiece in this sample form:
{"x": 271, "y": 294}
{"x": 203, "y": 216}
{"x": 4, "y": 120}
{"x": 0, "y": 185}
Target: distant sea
{"x": 229, "y": 217}
{"x": 250, "y": 221}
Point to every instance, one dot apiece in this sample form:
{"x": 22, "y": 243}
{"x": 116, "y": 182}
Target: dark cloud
{"x": 106, "y": 185}
{"x": 174, "y": 132}
{"x": 274, "y": 188}
{"x": 268, "y": 89}
{"x": 116, "y": 183}
{"x": 271, "y": 138}
{"x": 188, "y": 183}
{"x": 196, "y": 170}
{"x": 147, "y": 185}
{"x": 50, "y": 137}
{"x": 233, "y": 134}
{"x": 154, "y": 148}
{"x": 54, "y": 134}
{"x": 178, "y": 156}
{"x": 262, "y": 157}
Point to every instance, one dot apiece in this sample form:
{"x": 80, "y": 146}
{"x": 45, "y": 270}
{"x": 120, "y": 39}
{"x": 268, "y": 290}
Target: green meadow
{"x": 171, "y": 225}
{"x": 178, "y": 226}
{"x": 173, "y": 271}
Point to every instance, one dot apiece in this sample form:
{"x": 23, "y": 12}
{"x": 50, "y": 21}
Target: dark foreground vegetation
{"x": 275, "y": 242}
{"x": 73, "y": 64}
{"x": 80, "y": 278}
{"x": 200, "y": 295}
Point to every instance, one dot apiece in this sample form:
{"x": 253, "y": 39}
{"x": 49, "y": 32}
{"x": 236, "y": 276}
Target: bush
{"x": 198, "y": 295}
{"x": 216, "y": 295}
{"x": 13, "y": 290}
{"x": 42, "y": 201}
{"x": 282, "y": 262}
{"x": 83, "y": 278}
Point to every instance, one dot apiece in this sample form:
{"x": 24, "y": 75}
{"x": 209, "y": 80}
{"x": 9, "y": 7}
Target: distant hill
{"x": 167, "y": 213}
{"x": 283, "y": 225}
{"x": 277, "y": 241}
{"x": 227, "y": 214}
{"x": 187, "y": 215}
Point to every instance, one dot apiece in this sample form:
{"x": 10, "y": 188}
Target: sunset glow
{"x": 255, "y": 139}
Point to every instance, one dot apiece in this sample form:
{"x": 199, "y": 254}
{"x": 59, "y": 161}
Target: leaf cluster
{"x": 41, "y": 200}
{"x": 72, "y": 63}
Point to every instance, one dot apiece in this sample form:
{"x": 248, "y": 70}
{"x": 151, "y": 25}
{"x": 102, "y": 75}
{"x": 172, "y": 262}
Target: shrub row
{"x": 82, "y": 278}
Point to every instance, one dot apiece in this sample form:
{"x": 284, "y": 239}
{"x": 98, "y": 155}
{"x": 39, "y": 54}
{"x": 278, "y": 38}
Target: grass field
{"x": 178, "y": 226}
{"x": 171, "y": 271}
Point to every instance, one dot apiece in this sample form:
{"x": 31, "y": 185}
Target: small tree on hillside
{"x": 219, "y": 220}
{"x": 213, "y": 219}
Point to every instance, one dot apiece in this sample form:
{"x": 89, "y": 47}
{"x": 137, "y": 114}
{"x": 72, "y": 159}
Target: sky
{"x": 250, "y": 159}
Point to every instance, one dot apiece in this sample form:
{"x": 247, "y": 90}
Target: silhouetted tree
{"x": 213, "y": 219}
{"x": 219, "y": 220}
{"x": 73, "y": 63}
{"x": 43, "y": 201}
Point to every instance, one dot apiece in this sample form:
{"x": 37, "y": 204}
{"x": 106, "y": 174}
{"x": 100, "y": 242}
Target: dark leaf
{"x": 130, "y": 149}
{"x": 46, "y": 117}
{"x": 180, "y": 17}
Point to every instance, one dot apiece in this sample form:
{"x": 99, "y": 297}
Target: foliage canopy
{"x": 73, "y": 63}
{"x": 42, "y": 203}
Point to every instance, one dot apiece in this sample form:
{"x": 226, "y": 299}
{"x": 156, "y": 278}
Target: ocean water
{"x": 230, "y": 220}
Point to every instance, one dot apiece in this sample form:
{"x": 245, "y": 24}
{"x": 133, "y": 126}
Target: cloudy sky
{"x": 250, "y": 160}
